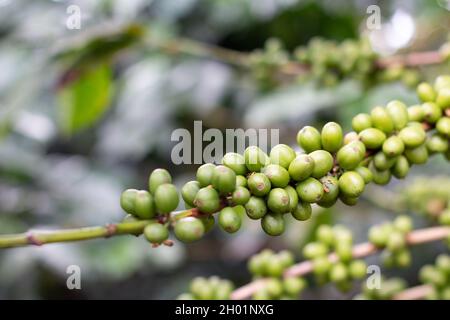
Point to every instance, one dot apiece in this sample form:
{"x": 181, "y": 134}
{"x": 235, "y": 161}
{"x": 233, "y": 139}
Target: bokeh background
{"x": 69, "y": 147}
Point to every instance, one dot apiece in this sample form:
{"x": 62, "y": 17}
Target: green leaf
{"x": 83, "y": 101}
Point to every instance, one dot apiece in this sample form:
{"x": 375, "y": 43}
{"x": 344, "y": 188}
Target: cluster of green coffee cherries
{"x": 391, "y": 237}
{"x": 385, "y": 290}
{"x": 212, "y": 288}
{"x": 438, "y": 276}
{"x": 271, "y": 266}
{"x": 340, "y": 270}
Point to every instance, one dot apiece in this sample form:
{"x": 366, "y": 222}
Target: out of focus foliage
{"x": 78, "y": 128}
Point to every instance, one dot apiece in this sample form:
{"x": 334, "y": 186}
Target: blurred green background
{"x": 79, "y": 123}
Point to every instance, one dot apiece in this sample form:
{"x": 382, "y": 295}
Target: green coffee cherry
{"x": 417, "y": 155}
{"x": 412, "y": 136}
{"x": 144, "y": 205}
{"x": 293, "y": 286}
{"x": 357, "y": 269}
{"x": 315, "y": 250}
{"x": 443, "y": 98}
{"x": 431, "y": 112}
{"x": 350, "y": 137}
{"x": 166, "y": 198}
{"x": 331, "y": 191}
{"x": 286, "y": 257}
{"x": 441, "y": 82}
{"x": 282, "y": 155}
{"x": 396, "y": 241}
{"x": 338, "y": 273}
{"x": 372, "y": 138}
{"x": 365, "y": 173}
{"x": 293, "y": 198}
{"x": 403, "y": 258}
{"x": 403, "y": 224}
{"x": 415, "y": 113}
{"x": 274, "y": 267}
{"x": 400, "y": 168}
{"x": 437, "y": 143}
{"x": 344, "y": 251}
{"x": 351, "y": 184}
{"x": 241, "y": 181}
{"x": 278, "y": 176}
{"x": 278, "y": 200}
{"x": 380, "y": 177}
{"x": 323, "y": 162}
{"x": 443, "y": 264}
{"x": 207, "y": 200}
{"x": 399, "y": 114}
{"x": 381, "y": 119}
{"x": 426, "y": 92}
{"x": 204, "y": 174}
{"x": 223, "y": 179}
{"x": 310, "y": 190}
{"x": 256, "y": 208}
{"x": 240, "y": 196}
{"x": 302, "y": 211}
{"x": 273, "y": 224}
{"x": 255, "y": 158}
{"x": 383, "y": 162}
{"x": 309, "y": 139}
{"x": 301, "y": 167}
{"x": 378, "y": 236}
{"x": 361, "y": 122}
{"x": 189, "y": 229}
{"x": 156, "y": 233}
{"x": 443, "y": 126}
{"x": 325, "y": 234}
{"x": 274, "y": 288}
{"x": 127, "y": 200}
{"x": 393, "y": 146}
{"x": 331, "y": 137}
{"x": 157, "y": 178}
{"x": 229, "y": 220}
{"x": 235, "y": 162}
{"x": 321, "y": 265}
{"x": 259, "y": 184}
{"x": 351, "y": 155}
{"x": 189, "y": 191}
{"x": 208, "y": 222}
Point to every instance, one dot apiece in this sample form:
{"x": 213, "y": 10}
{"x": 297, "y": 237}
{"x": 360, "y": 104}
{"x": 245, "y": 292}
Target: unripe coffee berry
{"x": 229, "y": 220}
{"x": 282, "y": 155}
{"x": 431, "y": 112}
{"x": 157, "y": 178}
{"x": 351, "y": 184}
{"x": 278, "y": 176}
{"x": 351, "y": 155}
{"x": 331, "y": 191}
{"x": 236, "y": 162}
{"x": 309, "y": 139}
{"x": 350, "y": 137}
{"x": 381, "y": 119}
{"x": 323, "y": 162}
{"x": 208, "y": 222}
{"x": 331, "y": 137}
{"x": 293, "y": 197}
{"x": 302, "y": 211}
{"x": 273, "y": 224}
{"x": 255, "y": 158}
{"x": 398, "y": 112}
{"x": 437, "y": 143}
{"x": 278, "y": 200}
{"x": 204, "y": 174}
{"x": 417, "y": 155}
{"x": 301, "y": 167}
{"x": 310, "y": 190}
{"x": 144, "y": 205}
{"x": 441, "y": 82}
{"x": 365, "y": 173}
{"x": 415, "y": 113}
{"x": 372, "y": 138}
{"x": 127, "y": 200}
{"x": 156, "y": 233}
{"x": 256, "y": 208}
{"x": 338, "y": 273}
{"x": 357, "y": 269}
{"x": 393, "y": 146}
{"x": 361, "y": 122}
{"x": 241, "y": 181}
{"x": 380, "y": 177}
{"x": 223, "y": 179}
{"x": 382, "y": 161}
{"x": 314, "y": 250}
{"x": 240, "y": 196}
{"x": 400, "y": 168}
{"x": 189, "y": 229}
{"x": 166, "y": 198}
{"x": 426, "y": 92}
{"x": 189, "y": 191}
{"x": 412, "y": 136}
{"x": 443, "y": 126}
{"x": 293, "y": 286}
{"x": 207, "y": 200}
{"x": 259, "y": 184}
{"x": 274, "y": 267}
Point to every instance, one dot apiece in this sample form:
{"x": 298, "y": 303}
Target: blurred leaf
{"x": 84, "y": 100}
